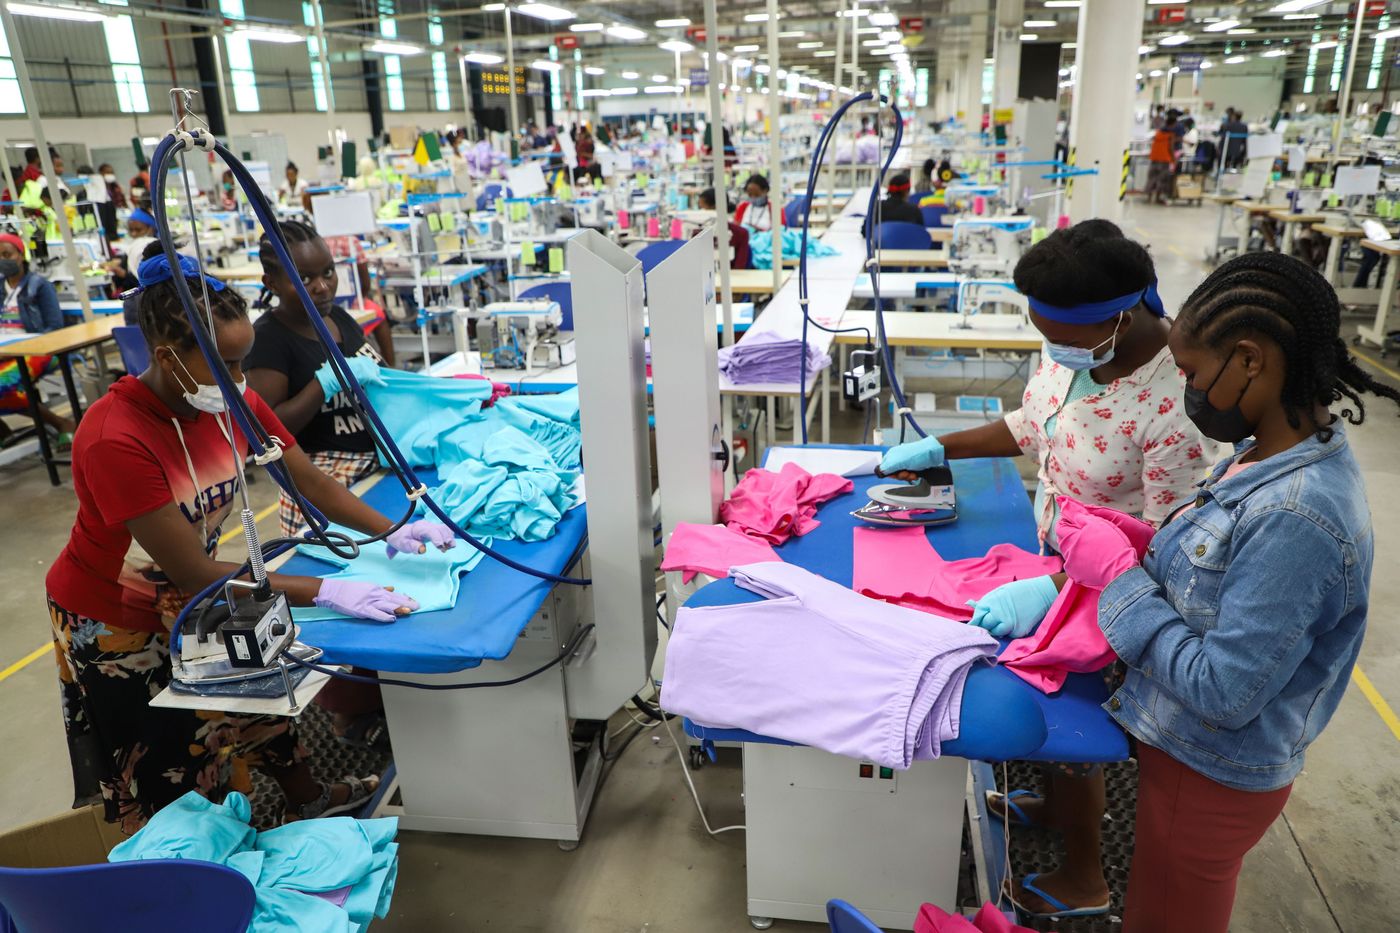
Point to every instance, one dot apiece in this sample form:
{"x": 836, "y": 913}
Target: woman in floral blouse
{"x": 1103, "y": 417}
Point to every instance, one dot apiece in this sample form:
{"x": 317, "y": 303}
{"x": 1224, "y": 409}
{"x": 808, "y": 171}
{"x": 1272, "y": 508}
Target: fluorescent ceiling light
{"x": 874, "y": 43}
{"x": 630, "y": 33}
{"x": 1029, "y": 37}
{"x": 545, "y": 11}
{"x": 1051, "y": 4}
{"x": 1223, "y": 25}
{"x": 1173, "y": 69}
{"x": 743, "y": 63}
{"x": 869, "y": 30}
{"x": 676, "y": 45}
{"x": 661, "y": 79}
{"x": 1380, "y": 36}
{"x": 1236, "y": 59}
{"x": 1070, "y": 45}
{"x": 1139, "y": 76}
{"x": 1323, "y": 45}
{"x": 586, "y": 27}
{"x": 1205, "y": 65}
{"x": 484, "y": 58}
{"x": 1144, "y": 49}
{"x": 672, "y": 23}
{"x": 1040, "y": 24}
{"x": 761, "y": 69}
{"x": 1300, "y": 16}
{"x": 56, "y": 12}
{"x": 829, "y": 53}
{"x": 596, "y": 92}
{"x": 1064, "y": 72}
{"x": 1293, "y": 6}
{"x": 390, "y": 48}
{"x": 544, "y": 64}
{"x": 745, "y": 48}
{"x": 257, "y": 34}
{"x": 623, "y": 91}
{"x": 884, "y": 18}
{"x": 892, "y": 35}
{"x": 1273, "y": 53}
{"x": 594, "y": 70}
{"x": 1245, "y": 31}
{"x": 809, "y": 45}
{"x": 989, "y": 61}
{"x": 1179, "y": 38}
{"x": 493, "y": 8}
{"x": 662, "y": 89}
{"x": 629, "y": 76}
{"x": 758, "y": 17}
{"x": 1155, "y": 73}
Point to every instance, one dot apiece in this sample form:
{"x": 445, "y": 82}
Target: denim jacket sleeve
{"x": 46, "y": 300}
{"x": 1285, "y": 586}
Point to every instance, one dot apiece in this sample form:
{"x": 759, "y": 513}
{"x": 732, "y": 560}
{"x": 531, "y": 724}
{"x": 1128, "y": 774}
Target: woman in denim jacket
{"x": 1241, "y": 626}
{"x": 28, "y": 305}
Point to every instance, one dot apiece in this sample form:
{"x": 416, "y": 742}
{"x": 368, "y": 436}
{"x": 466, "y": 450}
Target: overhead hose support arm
{"x": 247, "y": 423}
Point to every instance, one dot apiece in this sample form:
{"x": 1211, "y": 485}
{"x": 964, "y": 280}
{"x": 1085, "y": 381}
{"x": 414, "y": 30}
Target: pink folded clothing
{"x": 499, "y": 390}
{"x": 713, "y": 549}
{"x": 934, "y": 919}
{"x": 1098, "y": 544}
{"x": 900, "y": 566}
{"x": 776, "y": 506}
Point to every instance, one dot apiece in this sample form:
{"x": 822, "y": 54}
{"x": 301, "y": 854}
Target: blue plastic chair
{"x": 934, "y": 214}
{"x": 489, "y": 194}
{"x": 653, "y": 254}
{"x": 896, "y": 234}
{"x": 136, "y": 356}
{"x": 126, "y": 897}
{"x": 795, "y": 210}
{"x": 843, "y": 918}
{"x": 561, "y": 292}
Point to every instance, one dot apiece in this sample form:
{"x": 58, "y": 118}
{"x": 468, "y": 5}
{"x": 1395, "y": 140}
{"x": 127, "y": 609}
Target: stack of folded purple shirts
{"x": 769, "y": 357}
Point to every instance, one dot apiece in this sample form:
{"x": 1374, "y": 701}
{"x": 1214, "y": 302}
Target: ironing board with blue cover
{"x": 494, "y": 602}
{"x": 1003, "y": 717}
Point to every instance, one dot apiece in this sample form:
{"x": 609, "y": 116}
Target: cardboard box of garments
{"x": 75, "y": 837}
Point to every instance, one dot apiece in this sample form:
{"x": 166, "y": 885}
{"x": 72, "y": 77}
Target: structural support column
{"x": 713, "y": 71}
{"x": 1006, "y": 45}
{"x": 513, "y": 148}
{"x": 973, "y": 66}
{"x": 1110, "y": 32}
{"x": 775, "y": 146}
{"x": 325, "y": 57}
{"x": 943, "y": 105}
{"x": 1343, "y": 110}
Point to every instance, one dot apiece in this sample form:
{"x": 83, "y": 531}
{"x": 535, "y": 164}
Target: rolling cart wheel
{"x": 697, "y": 758}
{"x": 568, "y": 845}
{"x": 760, "y": 923}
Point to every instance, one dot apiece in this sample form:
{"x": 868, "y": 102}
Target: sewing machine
{"x": 512, "y": 332}
{"x": 988, "y": 246}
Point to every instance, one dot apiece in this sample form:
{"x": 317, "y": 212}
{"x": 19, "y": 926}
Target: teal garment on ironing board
{"x": 1081, "y": 386}
{"x": 431, "y": 578}
{"x": 553, "y": 420}
{"x": 288, "y": 866}
{"x": 417, "y": 408}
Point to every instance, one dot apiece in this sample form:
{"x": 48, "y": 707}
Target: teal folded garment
{"x": 192, "y": 827}
{"x": 761, "y": 247}
{"x": 561, "y": 438}
{"x": 417, "y": 408}
{"x": 431, "y": 578}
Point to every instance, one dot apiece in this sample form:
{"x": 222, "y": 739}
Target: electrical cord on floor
{"x": 564, "y": 655}
{"x": 661, "y": 616}
{"x": 694, "y": 794}
{"x": 651, "y": 712}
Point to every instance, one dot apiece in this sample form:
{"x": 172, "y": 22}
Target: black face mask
{"x": 9, "y": 268}
{"x": 1228, "y": 425}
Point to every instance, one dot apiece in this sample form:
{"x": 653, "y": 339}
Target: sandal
{"x": 361, "y": 790}
{"x": 1018, "y": 816}
{"x": 369, "y": 731}
{"x": 1061, "y": 910}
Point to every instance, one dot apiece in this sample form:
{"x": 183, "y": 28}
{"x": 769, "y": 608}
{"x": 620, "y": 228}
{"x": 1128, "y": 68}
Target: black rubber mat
{"x": 1038, "y": 850}
{"x": 330, "y": 761}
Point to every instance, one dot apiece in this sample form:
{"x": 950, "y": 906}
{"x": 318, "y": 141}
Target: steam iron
{"x": 929, "y": 501}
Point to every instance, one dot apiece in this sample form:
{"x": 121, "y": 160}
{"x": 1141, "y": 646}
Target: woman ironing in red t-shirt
{"x": 154, "y": 474}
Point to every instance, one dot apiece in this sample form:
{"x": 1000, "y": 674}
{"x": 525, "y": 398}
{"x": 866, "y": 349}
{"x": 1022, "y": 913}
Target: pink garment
{"x": 900, "y": 566}
{"x": 713, "y": 549}
{"x": 776, "y": 506}
{"x": 934, "y": 919}
{"x": 499, "y": 390}
{"x": 1098, "y": 544}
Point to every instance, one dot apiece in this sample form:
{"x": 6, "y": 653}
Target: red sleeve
{"x": 124, "y": 478}
{"x": 739, "y": 212}
{"x": 269, "y": 420}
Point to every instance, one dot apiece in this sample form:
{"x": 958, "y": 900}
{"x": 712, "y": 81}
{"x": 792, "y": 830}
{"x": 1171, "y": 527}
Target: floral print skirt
{"x": 140, "y": 757}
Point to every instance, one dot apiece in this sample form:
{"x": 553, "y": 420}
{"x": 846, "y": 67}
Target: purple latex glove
{"x": 413, "y": 537}
{"x": 363, "y": 600}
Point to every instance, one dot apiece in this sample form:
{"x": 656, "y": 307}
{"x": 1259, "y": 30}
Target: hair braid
{"x": 1290, "y": 303}
{"x": 293, "y": 232}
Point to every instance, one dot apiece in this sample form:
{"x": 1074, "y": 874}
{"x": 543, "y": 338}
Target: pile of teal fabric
{"x": 508, "y": 471}
{"x": 761, "y": 247}
{"x": 332, "y": 876}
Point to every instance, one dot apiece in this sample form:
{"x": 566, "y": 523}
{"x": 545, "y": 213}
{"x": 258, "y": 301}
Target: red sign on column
{"x": 566, "y": 41}
{"x": 697, "y": 33}
{"x": 1169, "y": 15}
{"x": 1373, "y": 8}
{"x": 911, "y": 24}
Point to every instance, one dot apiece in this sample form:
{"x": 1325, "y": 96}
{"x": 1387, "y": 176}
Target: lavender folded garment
{"x": 818, "y": 664}
{"x": 769, "y": 357}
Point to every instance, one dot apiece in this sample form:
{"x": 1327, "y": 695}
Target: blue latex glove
{"x": 1013, "y": 610}
{"x": 923, "y": 454}
{"x": 363, "y": 600}
{"x": 414, "y": 537}
{"x": 365, "y": 370}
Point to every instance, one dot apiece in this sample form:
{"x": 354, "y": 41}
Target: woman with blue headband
{"x": 1104, "y": 419}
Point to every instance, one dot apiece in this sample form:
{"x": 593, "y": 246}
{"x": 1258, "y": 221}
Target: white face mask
{"x": 110, "y": 179}
{"x": 206, "y": 398}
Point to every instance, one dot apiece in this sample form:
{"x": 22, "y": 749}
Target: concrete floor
{"x": 646, "y": 864}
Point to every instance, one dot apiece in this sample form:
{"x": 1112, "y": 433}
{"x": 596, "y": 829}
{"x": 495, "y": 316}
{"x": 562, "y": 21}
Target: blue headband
{"x": 141, "y": 216}
{"x": 157, "y": 269}
{"x": 1100, "y": 311}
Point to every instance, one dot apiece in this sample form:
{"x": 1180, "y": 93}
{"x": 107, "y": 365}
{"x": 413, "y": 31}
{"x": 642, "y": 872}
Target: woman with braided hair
{"x": 1240, "y": 627}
